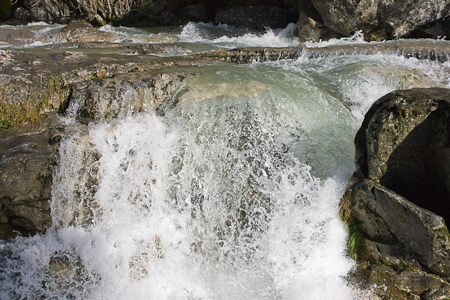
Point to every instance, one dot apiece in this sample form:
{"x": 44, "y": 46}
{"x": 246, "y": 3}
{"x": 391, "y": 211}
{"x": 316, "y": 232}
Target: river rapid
{"x": 231, "y": 194}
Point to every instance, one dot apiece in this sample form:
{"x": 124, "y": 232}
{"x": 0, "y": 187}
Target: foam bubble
{"x": 228, "y": 36}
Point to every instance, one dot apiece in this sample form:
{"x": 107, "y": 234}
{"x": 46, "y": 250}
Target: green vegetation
{"x": 13, "y": 115}
{"x": 102, "y": 73}
{"x": 403, "y": 265}
{"x": 32, "y": 106}
{"x": 355, "y": 243}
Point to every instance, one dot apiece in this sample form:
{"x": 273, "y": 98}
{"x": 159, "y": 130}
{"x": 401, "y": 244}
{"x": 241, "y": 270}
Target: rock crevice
{"x": 397, "y": 199}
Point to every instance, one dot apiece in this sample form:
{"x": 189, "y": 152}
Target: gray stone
{"x": 387, "y": 217}
{"x": 407, "y": 284}
{"x": 50, "y": 11}
{"x": 404, "y": 145}
{"x": 26, "y": 161}
{"x": 194, "y": 13}
{"x": 22, "y": 14}
{"x": 397, "y": 199}
{"x": 310, "y": 27}
{"x": 380, "y": 19}
{"x": 149, "y": 92}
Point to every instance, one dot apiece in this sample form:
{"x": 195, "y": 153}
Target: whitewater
{"x": 231, "y": 194}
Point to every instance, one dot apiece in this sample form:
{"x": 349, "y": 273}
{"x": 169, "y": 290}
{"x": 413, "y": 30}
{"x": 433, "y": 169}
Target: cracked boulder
{"x": 398, "y": 199}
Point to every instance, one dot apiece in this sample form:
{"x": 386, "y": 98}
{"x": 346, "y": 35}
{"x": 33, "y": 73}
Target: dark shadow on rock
{"x": 419, "y": 168}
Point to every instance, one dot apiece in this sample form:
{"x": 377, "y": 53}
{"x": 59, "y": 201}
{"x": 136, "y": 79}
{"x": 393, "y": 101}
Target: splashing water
{"x": 232, "y": 194}
{"x": 230, "y": 37}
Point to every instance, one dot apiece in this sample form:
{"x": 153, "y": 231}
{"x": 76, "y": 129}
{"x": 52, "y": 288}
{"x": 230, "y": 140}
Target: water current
{"x": 232, "y": 194}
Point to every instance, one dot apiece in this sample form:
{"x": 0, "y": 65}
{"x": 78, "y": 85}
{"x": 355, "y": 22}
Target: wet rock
{"x": 67, "y": 274}
{"x": 380, "y": 19}
{"x": 257, "y": 17}
{"x": 402, "y": 229}
{"x": 50, "y": 11}
{"x": 195, "y": 13}
{"x": 26, "y": 161}
{"x": 397, "y": 199}
{"x": 28, "y": 155}
{"x": 82, "y": 32}
{"x": 310, "y": 27}
{"x": 126, "y": 94}
{"x": 435, "y": 31}
{"x": 408, "y": 284}
{"x": 404, "y": 145}
{"x": 22, "y": 14}
{"x": 300, "y": 4}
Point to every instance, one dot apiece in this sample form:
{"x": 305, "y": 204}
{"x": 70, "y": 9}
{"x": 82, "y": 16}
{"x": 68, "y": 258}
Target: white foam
{"x": 232, "y": 195}
{"x": 359, "y": 80}
{"x": 236, "y": 37}
{"x": 356, "y": 38}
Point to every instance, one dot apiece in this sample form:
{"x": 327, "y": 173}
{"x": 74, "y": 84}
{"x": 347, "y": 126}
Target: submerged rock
{"x": 126, "y": 94}
{"x": 397, "y": 199}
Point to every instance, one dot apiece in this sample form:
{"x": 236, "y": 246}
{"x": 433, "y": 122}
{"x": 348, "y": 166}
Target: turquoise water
{"x": 232, "y": 194}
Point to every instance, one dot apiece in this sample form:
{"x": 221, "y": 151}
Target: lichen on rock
{"x": 398, "y": 197}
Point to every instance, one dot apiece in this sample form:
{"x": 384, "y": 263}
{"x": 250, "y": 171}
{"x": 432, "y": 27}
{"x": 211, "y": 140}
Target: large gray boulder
{"x": 398, "y": 198}
{"x": 404, "y": 145}
{"x": 381, "y": 18}
{"x": 310, "y": 27}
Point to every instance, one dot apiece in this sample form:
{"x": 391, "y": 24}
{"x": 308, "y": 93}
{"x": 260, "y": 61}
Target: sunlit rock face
{"x": 380, "y": 18}
{"x": 404, "y": 145}
{"x": 397, "y": 199}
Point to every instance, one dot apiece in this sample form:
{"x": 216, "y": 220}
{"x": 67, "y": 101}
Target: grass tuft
{"x": 354, "y": 244}
{"x": 34, "y": 104}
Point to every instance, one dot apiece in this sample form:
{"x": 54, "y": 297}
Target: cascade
{"x": 232, "y": 193}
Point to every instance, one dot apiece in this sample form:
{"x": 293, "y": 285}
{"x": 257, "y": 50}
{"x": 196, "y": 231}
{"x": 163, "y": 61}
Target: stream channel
{"x": 232, "y": 193}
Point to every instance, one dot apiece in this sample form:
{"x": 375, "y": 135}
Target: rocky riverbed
{"x": 397, "y": 234}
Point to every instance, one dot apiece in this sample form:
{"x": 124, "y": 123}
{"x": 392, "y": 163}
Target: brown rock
{"x": 26, "y": 162}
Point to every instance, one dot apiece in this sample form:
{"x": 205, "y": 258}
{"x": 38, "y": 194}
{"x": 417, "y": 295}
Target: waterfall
{"x": 231, "y": 194}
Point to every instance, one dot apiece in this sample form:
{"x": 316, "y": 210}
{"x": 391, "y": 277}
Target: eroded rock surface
{"x": 404, "y": 145}
{"x": 27, "y": 159}
{"x": 29, "y": 152}
{"x": 380, "y": 19}
{"x": 398, "y": 197}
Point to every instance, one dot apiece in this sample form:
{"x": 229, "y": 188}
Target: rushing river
{"x": 232, "y": 194}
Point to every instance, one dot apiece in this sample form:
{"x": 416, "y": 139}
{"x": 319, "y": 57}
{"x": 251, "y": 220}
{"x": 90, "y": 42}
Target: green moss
{"x": 355, "y": 244}
{"x": 403, "y": 265}
{"x": 29, "y": 109}
{"x": 444, "y": 231}
{"x": 54, "y": 81}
